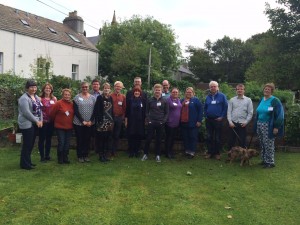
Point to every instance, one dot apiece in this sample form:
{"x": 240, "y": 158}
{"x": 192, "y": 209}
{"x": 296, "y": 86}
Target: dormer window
{"x": 74, "y": 38}
{"x": 52, "y": 30}
{"x": 25, "y": 22}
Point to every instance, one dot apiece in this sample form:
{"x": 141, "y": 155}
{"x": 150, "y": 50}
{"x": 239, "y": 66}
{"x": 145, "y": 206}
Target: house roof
{"x": 182, "y": 69}
{"x": 95, "y": 39}
{"x": 39, "y": 27}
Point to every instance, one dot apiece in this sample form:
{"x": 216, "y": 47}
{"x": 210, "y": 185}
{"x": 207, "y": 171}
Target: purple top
{"x": 174, "y": 112}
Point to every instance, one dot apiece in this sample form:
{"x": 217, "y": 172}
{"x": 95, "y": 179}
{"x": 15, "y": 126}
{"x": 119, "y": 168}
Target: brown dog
{"x": 241, "y": 153}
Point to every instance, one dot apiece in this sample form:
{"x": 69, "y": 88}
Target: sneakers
{"x": 86, "y": 159}
{"x": 157, "y": 158}
{"x": 81, "y": 160}
{"x": 207, "y": 156}
{"x": 217, "y": 157}
{"x": 145, "y": 157}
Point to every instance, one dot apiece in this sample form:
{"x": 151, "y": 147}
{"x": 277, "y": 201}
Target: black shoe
{"x": 47, "y": 158}
{"x": 66, "y": 161}
{"x": 268, "y": 166}
{"x": 32, "y": 164}
{"x": 43, "y": 160}
{"x": 27, "y": 168}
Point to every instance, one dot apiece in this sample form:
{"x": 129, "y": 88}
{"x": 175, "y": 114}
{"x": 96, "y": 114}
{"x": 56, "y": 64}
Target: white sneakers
{"x": 145, "y": 157}
{"x": 157, "y": 158}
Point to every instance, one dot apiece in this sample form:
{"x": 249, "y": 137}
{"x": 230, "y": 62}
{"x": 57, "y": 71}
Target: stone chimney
{"x": 74, "y": 22}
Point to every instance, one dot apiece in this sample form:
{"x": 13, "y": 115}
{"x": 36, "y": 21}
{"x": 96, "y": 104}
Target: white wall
{"x": 19, "y": 52}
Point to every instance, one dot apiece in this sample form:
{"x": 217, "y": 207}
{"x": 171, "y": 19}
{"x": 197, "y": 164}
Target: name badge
{"x": 163, "y": 94}
{"x": 188, "y": 102}
{"x": 213, "y": 102}
{"x": 141, "y": 105}
{"x": 120, "y": 103}
{"x": 51, "y": 102}
{"x": 175, "y": 104}
{"x": 158, "y": 104}
{"x": 41, "y": 104}
{"x": 80, "y": 99}
{"x": 270, "y": 108}
{"x": 67, "y": 113}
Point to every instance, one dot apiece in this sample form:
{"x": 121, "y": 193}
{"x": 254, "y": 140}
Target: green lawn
{"x": 128, "y": 191}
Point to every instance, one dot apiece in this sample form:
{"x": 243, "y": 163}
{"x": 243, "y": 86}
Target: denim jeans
{"x": 63, "y": 137}
{"x": 45, "y": 136}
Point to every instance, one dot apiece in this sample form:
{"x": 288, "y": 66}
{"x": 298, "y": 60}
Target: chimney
{"x": 74, "y": 22}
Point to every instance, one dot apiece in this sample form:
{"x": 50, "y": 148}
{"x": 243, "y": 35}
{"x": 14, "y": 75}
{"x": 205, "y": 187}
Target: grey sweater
{"x": 26, "y": 117}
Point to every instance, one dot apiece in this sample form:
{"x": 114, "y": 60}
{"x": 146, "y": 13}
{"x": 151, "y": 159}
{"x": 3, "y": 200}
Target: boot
{"x": 66, "y": 159}
{"x": 60, "y": 158}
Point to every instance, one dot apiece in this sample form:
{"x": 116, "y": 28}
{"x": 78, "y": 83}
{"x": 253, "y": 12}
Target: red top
{"x": 119, "y": 104}
{"x": 184, "y": 118}
{"x": 62, "y": 114}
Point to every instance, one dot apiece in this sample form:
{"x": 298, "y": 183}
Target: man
{"x": 239, "y": 114}
{"x": 95, "y": 92}
{"x": 166, "y": 86}
{"x": 119, "y": 106}
{"x": 215, "y": 110}
{"x": 136, "y": 82}
{"x": 157, "y": 111}
{"x": 96, "y": 88}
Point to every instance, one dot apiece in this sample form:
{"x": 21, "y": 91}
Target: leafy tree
{"x": 201, "y": 64}
{"x": 124, "y": 49}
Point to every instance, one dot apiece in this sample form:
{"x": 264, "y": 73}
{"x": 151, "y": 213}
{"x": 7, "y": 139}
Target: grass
{"x": 128, "y": 191}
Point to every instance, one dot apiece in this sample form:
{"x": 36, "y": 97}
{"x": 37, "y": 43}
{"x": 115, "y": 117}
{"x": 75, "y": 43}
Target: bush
{"x": 292, "y": 125}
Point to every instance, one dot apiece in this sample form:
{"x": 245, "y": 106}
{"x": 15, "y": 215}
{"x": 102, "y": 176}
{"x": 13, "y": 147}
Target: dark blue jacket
{"x": 195, "y": 111}
{"x": 219, "y": 109}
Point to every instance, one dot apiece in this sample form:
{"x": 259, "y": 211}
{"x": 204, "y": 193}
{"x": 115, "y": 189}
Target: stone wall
{"x": 7, "y": 101}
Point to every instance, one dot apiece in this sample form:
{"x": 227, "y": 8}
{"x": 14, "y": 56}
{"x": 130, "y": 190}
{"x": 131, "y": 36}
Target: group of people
{"x": 97, "y": 117}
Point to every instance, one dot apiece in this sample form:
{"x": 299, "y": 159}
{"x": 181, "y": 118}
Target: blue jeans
{"x": 189, "y": 137}
{"x": 63, "y": 138}
{"x": 45, "y": 136}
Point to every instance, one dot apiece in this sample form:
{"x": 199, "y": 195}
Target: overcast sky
{"x": 194, "y": 21}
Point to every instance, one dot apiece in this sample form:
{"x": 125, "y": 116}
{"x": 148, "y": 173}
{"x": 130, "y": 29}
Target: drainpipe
{"x": 15, "y": 54}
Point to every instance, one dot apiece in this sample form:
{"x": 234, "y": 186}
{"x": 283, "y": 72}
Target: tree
{"x": 201, "y": 64}
{"x": 277, "y": 51}
{"x": 124, "y": 49}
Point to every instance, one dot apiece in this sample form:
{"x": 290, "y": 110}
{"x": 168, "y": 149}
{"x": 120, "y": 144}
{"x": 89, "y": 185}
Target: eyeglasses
{"x": 84, "y": 86}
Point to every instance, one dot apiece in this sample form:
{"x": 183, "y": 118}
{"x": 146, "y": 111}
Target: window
{"x": 25, "y": 22}
{"x": 52, "y": 30}
{"x": 74, "y": 38}
{"x": 1, "y": 62}
{"x": 75, "y": 72}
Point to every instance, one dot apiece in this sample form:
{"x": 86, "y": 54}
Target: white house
{"x": 29, "y": 42}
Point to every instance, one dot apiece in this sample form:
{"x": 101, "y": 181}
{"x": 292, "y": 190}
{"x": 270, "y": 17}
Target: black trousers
{"x": 27, "y": 146}
{"x": 156, "y": 128}
{"x": 83, "y": 137}
{"x": 105, "y": 142}
{"x": 118, "y": 121}
{"x": 45, "y": 136}
{"x": 241, "y": 139}
{"x": 214, "y": 131}
{"x": 169, "y": 141}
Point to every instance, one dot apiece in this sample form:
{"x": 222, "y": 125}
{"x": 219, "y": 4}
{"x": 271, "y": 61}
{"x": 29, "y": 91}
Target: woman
{"x": 62, "y": 114}
{"x": 84, "y": 104}
{"x": 135, "y": 121}
{"x": 173, "y": 121}
{"x": 269, "y": 124}
{"x": 30, "y": 118}
{"x": 190, "y": 121}
{"x": 104, "y": 118}
{"x": 45, "y": 132}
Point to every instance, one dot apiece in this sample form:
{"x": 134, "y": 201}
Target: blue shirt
{"x": 265, "y": 109}
{"x": 215, "y": 106}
